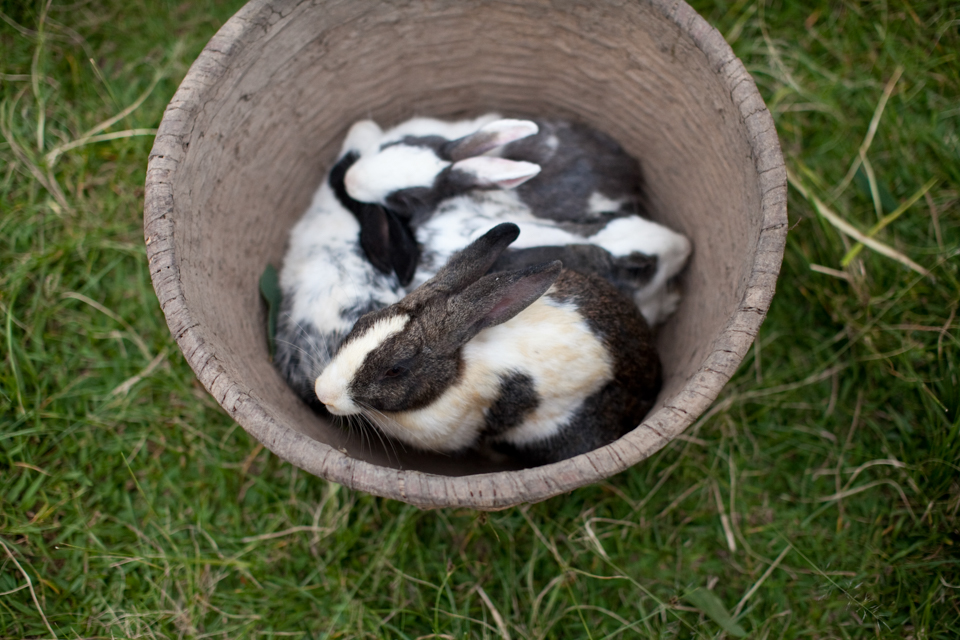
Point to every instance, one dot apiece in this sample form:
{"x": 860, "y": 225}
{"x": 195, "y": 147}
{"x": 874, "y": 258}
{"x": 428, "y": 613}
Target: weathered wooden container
{"x": 262, "y": 112}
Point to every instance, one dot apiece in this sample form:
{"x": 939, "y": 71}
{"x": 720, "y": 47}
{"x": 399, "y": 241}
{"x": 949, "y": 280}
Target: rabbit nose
{"x": 334, "y": 408}
{"x": 334, "y": 397}
{"x": 327, "y": 397}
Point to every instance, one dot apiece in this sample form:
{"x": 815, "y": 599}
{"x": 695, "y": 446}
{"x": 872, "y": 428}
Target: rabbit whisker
{"x": 378, "y": 419}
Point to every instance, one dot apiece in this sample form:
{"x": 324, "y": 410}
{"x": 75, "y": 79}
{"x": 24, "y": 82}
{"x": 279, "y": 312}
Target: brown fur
{"x": 621, "y": 404}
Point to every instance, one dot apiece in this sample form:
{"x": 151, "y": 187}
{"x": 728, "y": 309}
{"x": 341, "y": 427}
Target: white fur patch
{"x": 364, "y": 137}
{"x": 623, "y": 236}
{"x": 541, "y": 233}
{"x": 373, "y": 177}
{"x": 323, "y": 274}
{"x": 600, "y": 203}
{"x": 656, "y": 305}
{"x": 332, "y": 385}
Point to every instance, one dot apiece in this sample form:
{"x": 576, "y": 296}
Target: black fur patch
{"x": 627, "y": 273}
{"x": 414, "y": 204}
{"x": 418, "y": 204}
{"x": 601, "y": 419}
{"x": 436, "y": 143}
{"x": 337, "y": 174}
{"x": 583, "y": 162}
{"x": 518, "y": 397}
{"x": 352, "y": 314}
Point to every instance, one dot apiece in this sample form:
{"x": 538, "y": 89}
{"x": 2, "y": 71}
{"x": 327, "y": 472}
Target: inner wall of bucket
{"x": 261, "y": 145}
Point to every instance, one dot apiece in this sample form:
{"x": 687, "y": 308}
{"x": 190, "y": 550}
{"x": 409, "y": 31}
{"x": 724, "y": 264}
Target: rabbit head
{"x": 405, "y": 356}
{"x": 412, "y": 174}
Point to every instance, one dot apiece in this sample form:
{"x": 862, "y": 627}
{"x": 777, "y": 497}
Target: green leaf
{"x": 712, "y": 607}
{"x": 887, "y": 201}
{"x": 270, "y": 290}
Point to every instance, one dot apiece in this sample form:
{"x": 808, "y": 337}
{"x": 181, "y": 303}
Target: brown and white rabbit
{"x": 541, "y": 363}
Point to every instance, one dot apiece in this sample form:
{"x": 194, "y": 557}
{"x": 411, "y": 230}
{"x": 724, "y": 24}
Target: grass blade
{"x": 871, "y": 132}
{"x": 886, "y": 220}
{"x": 713, "y": 608}
{"x": 848, "y": 229}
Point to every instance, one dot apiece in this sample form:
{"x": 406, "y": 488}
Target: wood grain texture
{"x": 259, "y": 117}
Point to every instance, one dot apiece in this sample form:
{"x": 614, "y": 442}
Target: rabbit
{"x": 541, "y": 363}
{"x": 585, "y": 176}
{"x": 327, "y": 285}
{"x": 568, "y": 184}
{"x": 346, "y": 258}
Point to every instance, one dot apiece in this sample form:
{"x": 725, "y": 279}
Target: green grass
{"x": 818, "y": 499}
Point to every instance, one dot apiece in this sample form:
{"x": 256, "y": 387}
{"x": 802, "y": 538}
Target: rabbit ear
{"x": 467, "y": 265}
{"x": 488, "y": 137}
{"x": 388, "y": 242}
{"x": 487, "y": 171}
{"x": 404, "y": 251}
{"x": 495, "y": 298}
{"x": 363, "y": 137}
{"x": 375, "y": 236}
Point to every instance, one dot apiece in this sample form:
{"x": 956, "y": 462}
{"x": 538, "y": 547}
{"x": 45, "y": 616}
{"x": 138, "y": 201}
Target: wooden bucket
{"x": 261, "y": 114}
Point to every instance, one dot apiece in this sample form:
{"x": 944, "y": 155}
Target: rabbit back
{"x": 327, "y": 284}
{"x": 585, "y": 176}
{"x": 630, "y": 239}
{"x": 620, "y": 398}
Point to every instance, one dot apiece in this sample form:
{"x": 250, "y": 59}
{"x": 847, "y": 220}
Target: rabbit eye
{"x": 394, "y": 372}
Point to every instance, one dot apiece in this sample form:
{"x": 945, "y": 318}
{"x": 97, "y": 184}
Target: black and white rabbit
{"x": 347, "y": 257}
{"x": 577, "y": 185}
{"x": 585, "y": 176}
{"x": 434, "y": 184}
{"x": 542, "y": 363}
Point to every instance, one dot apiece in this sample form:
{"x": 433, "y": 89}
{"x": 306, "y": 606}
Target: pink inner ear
{"x": 512, "y": 184}
{"x": 507, "y": 131}
{"x": 500, "y": 172}
{"x": 521, "y": 294}
{"x": 500, "y": 309}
